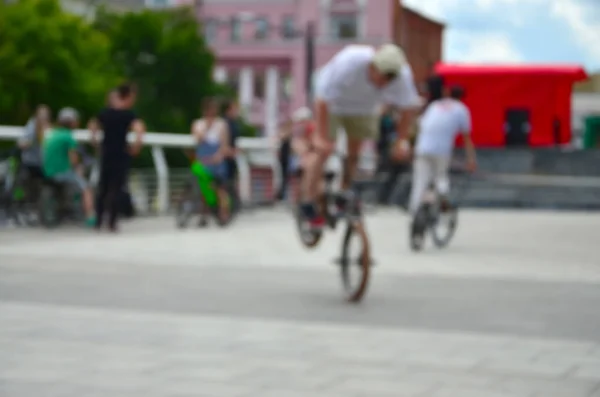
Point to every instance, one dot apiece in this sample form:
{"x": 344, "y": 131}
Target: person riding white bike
{"x": 349, "y": 88}
{"x": 443, "y": 120}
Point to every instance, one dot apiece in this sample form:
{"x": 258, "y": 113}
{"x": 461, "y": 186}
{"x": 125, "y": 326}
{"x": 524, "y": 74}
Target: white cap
{"x": 68, "y": 114}
{"x": 302, "y": 114}
{"x": 389, "y": 58}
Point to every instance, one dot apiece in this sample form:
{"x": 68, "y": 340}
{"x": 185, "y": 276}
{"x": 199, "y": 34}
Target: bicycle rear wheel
{"x": 309, "y": 237}
{"x": 359, "y": 264}
{"x": 443, "y": 226}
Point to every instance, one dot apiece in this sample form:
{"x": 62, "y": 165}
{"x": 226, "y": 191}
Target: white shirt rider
{"x": 343, "y": 83}
{"x": 443, "y": 120}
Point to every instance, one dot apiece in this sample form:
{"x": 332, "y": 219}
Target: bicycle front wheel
{"x": 186, "y": 206}
{"x": 355, "y": 264}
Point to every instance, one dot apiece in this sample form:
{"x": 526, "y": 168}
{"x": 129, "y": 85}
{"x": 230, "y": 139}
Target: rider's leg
{"x": 351, "y": 162}
{"x": 305, "y": 164}
{"x": 358, "y": 129}
{"x": 223, "y": 201}
{"x": 441, "y": 165}
{"x": 421, "y": 178}
{"x": 310, "y": 185}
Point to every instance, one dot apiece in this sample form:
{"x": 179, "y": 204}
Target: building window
{"x": 235, "y": 29}
{"x": 262, "y": 28}
{"x": 211, "y": 27}
{"x": 288, "y": 26}
{"x": 344, "y": 26}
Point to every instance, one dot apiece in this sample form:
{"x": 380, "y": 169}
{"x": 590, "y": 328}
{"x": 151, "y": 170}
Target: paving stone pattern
{"x": 53, "y": 351}
{"x": 69, "y": 351}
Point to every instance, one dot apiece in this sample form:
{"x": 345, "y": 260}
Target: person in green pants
{"x": 212, "y": 136}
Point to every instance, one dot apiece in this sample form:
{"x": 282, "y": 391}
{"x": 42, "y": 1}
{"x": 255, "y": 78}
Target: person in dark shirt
{"x": 116, "y": 121}
{"x": 435, "y": 85}
{"x": 232, "y": 117}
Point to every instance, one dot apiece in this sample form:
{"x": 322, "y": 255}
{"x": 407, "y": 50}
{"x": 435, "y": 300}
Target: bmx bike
{"x": 436, "y": 216}
{"x": 60, "y": 202}
{"x": 200, "y": 197}
{"x": 336, "y": 207}
{"x": 18, "y": 191}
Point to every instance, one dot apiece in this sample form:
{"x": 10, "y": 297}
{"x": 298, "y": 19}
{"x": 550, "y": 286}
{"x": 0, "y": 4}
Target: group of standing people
{"x": 49, "y": 151}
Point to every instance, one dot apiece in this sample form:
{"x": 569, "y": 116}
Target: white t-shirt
{"x": 210, "y": 134}
{"x": 343, "y": 83}
{"x": 443, "y": 120}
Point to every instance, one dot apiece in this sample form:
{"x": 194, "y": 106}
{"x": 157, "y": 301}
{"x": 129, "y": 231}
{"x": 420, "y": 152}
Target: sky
{"x": 509, "y": 31}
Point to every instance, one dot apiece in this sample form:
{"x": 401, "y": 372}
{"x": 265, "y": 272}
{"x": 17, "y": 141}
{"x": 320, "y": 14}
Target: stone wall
{"x": 581, "y": 191}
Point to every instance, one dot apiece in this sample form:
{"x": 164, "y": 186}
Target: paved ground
{"x": 509, "y": 309}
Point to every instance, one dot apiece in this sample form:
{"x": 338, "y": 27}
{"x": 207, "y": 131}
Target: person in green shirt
{"x": 59, "y": 154}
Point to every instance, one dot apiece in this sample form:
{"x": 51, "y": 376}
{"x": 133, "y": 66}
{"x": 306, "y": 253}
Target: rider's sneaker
{"x": 317, "y": 223}
{"x": 90, "y": 222}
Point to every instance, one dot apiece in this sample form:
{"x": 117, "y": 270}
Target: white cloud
{"x": 432, "y": 8}
{"x": 498, "y": 40}
{"x": 585, "y": 33}
{"x": 483, "y": 48}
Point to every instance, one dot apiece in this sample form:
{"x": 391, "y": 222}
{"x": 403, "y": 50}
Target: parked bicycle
{"x": 200, "y": 198}
{"x": 337, "y": 207}
{"x": 16, "y": 197}
{"x": 61, "y": 203}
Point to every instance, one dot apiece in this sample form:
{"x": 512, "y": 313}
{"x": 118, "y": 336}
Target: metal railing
{"x": 254, "y": 152}
{"x": 157, "y": 187}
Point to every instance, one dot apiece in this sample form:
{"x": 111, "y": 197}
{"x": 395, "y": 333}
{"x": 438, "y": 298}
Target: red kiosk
{"x": 517, "y": 105}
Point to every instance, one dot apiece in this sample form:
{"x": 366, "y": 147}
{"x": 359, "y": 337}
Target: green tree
{"x": 162, "y": 52}
{"x": 52, "y": 57}
{"x": 165, "y": 56}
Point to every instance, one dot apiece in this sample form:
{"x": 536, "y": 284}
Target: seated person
{"x": 302, "y": 128}
{"x": 31, "y": 156}
{"x": 30, "y": 142}
{"x": 212, "y": 137}
{"x": 60, "y": 159}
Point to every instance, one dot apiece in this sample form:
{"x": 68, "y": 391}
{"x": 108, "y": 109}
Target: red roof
{"x": 576, "y": 72}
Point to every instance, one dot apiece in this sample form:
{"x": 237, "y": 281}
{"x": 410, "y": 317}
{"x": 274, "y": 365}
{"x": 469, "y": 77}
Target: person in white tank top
{"x": 439, "y": 126}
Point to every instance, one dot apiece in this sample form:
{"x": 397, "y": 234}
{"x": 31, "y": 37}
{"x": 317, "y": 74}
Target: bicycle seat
{"x": 329, "y": 176}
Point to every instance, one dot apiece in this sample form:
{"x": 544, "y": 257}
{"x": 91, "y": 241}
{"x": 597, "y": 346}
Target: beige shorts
{"x": 356, "y": 127}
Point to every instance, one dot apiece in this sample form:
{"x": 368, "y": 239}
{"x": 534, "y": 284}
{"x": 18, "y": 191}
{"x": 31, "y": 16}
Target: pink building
{"x": 260, "y": 46}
